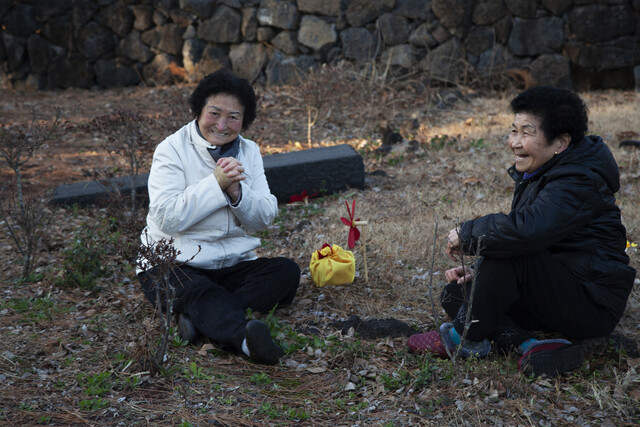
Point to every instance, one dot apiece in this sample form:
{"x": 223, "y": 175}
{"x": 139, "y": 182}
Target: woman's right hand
{"x": 459, "y": 274}
{"x": 228, "y": 171}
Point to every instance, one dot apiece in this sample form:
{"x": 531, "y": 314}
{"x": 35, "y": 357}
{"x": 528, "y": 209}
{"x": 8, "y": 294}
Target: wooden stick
{"x": 364, "y": 247}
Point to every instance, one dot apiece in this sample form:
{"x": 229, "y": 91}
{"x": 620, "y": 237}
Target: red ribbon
{"x": 354, "y": 233}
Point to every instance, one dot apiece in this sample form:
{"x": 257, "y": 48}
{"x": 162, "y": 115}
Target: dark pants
{"x": 217, "y": 300}
{"x": 514, "y": 296}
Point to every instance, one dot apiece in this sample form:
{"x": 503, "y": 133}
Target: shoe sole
{"x": 555, "y": 362}
{"x": 262, "y": 349}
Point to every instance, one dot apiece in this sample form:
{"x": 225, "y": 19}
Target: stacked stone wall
{"x": 580, "y": 44}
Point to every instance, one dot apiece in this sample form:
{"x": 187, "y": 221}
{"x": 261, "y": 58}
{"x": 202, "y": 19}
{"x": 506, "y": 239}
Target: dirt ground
{"x": 76, "y": 355}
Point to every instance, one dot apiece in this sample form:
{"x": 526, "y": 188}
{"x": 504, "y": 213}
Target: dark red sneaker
{"x": 429, "y": 342}
{"x": 551, "y": 357}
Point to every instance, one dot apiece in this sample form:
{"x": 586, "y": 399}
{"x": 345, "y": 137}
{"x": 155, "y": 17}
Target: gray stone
{"x": 446, "y": 63}
{"x": 94, "y": 40}
{"x": 557, "y": 7}
{"x": 619, "y": 53}
{"x": 325, "y": 170}
{"x": 502, "y": 29}
{"x": 143, "y": 17}
{"x": 170, "y": 39}
{"x": 158, "y": 71}
{"x": 247, "y": 59}
{"x": 59, "y": 31}
{"x": 316, "y": 33}
{"x": 488, "y": 12}
{"x": 15, "y": 48}
{"x": 394, "y": 29}
{"x": 213, "y": 58}
{"x": 455, "y": 15}
{"x": 165, "y": 6}
{"x": 361, "y": 12}
{"x": 200, "y": 59}
{"x": 324, "y": 7}
{"x": 133, "y": 48}
{"x": 202, "y": 8}
{"x": 249, "y": 26}
{"x": 159, "y": 18}
{"x": 414, "y": 9}
{"x": 402, "y": 55}
{"x": 358, "y": 44}
{"x": 223, "y": 27}
{"x": 83, "y": 10}
{"x": 191, "y": 55}
{"x": 38, "y": 50}
{"x": 182, "y": 18}
{"x": 265, "y": 34}
{"x": 288, "y": 70}
{"x": 479, "y": 39}
{"x": 70, "y": 71}
{"x": 530, "y": 37}
{"x": 45, "y": 9}
{"x": 423, "y": 36}
{"x": 278, "y": 13}
{"x": 598, "y": 23}
{"x": 552, "y": 70}
{"x": 286, "y": 42}
{"x": 118, "y": 17}
{"x": 190, "y": 33}
{"x": 19, "y": 21}
{"x": 522, "y": 8}
{"x": 110, "y": 73}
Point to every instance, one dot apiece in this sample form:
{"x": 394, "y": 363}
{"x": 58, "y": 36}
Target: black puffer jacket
{"x": 567, "y": 208}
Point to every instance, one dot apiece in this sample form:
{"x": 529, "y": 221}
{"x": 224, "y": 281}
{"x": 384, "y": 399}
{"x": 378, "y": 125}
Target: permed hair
{"x": 225, "y": 82}
{"x": 561, "y": 111}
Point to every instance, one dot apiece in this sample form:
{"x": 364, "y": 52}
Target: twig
{"x": 364, "y": 247}
{"x": 430, "y": 287}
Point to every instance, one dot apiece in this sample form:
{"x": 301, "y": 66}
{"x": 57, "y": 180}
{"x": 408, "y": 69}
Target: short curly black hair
{"x": 225, "y": 81}
{"x": 561, "y": 110}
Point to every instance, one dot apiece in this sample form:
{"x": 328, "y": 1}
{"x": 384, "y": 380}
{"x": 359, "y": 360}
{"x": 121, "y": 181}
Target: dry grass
{"x": 54, "y": 335}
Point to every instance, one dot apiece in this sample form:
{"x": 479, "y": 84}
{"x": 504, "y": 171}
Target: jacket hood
{"x": 593, "y": 154}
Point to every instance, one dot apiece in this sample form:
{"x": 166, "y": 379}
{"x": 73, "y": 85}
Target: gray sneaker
{"x": 187, "y": 331}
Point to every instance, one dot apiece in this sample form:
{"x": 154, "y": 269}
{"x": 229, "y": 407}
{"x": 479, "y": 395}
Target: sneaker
{"x": 187, "y": 331}
{"x": 551, "y": 357}
{"x": 470, "y": 348}
{"x": 262, "y": 349}
{"x": 429, "y": 342}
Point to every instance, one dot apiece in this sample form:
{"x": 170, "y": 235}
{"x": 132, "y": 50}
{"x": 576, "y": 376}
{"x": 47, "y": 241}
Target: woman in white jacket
{"x": 207, "y": 189}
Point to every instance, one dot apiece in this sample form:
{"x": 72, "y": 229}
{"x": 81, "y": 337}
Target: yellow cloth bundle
{"x": 332, "y": 266}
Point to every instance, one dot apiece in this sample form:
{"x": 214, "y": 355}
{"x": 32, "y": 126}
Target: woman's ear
{"x": 563, "y": 142}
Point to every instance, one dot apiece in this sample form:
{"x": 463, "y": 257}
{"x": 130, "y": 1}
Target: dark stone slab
{"x": 323, "y": 170}
{"x": 319, "y": 170}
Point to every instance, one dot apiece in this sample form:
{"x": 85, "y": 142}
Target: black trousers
{"x": 518, "y": 295}
{"x": 217, "y": 300}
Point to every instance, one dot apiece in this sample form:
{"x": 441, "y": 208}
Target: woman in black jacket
{"x": 556, "y": 263}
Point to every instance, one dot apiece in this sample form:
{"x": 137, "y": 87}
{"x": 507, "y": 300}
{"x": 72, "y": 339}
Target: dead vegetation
{"x": 79, "y": 355}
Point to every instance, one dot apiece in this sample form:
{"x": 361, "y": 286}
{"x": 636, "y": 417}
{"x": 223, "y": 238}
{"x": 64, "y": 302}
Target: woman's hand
{"x": 229, "y": 172}
{"x": 453, "y": 244}
{"x": 459, "y": 274}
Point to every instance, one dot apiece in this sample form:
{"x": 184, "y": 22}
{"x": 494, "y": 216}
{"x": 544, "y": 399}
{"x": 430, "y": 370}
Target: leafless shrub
{"x": 160, "y": 259}
{"x": 129, "y": 141}
{"x": 26, "y": 218}
{"x": 328, "y": 87}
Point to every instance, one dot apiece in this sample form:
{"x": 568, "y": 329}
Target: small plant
{"x": 93, "y": 404}
{"x": 478, "y": 144}
{"x": 195, "y": 372}
{"x": 96, "y": 384}
{"x": 260, "y": 378}
{"x": 439, "y": 142}
{"x": 82, "y": 264}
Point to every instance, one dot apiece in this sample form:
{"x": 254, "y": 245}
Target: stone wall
{"x": 581, "y": 44}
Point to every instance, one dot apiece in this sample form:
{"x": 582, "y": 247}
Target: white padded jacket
{"x": 187, "y": 204}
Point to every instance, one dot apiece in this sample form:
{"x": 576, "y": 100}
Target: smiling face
{"x": 530, "y": 146}
{"x": 220, "y": 121}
